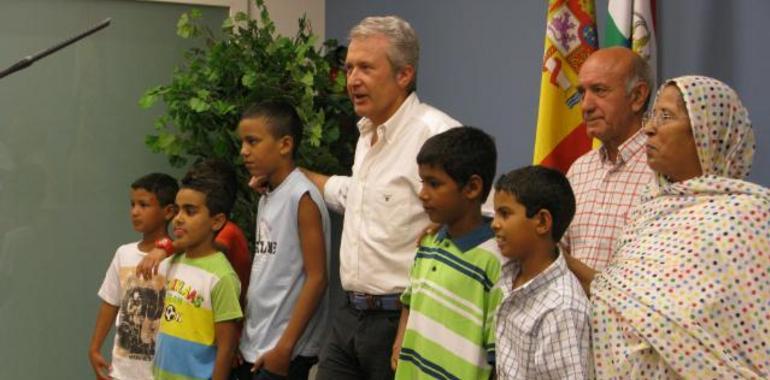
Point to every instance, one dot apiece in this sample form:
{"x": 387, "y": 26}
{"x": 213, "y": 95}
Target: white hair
{"x": 640, "y": 72}
{"x": 404, "y": 45}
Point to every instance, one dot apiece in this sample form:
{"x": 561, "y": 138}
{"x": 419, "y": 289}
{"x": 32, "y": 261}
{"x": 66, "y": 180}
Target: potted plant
{"x": 250, "y": 62}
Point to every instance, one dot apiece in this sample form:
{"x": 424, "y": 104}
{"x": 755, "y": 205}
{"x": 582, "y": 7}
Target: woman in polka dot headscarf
{"x": 688, "y": 291}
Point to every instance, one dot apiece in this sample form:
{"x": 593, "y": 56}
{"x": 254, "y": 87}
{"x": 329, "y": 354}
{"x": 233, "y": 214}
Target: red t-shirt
{"x": 233, "y": 241}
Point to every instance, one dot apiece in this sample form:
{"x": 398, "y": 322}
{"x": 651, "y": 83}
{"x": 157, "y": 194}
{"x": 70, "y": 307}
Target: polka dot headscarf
{"x": 720, "y": 126}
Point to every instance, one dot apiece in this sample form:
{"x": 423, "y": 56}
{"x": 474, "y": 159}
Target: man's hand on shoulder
{"x": 319, "y": 180}
{"x": 258, "y": 184}
{"x": 430, "y": 230}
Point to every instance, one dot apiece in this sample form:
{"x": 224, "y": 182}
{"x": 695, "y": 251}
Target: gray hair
{"x": 404, "y": 45}
{"x": 640, "y": 72}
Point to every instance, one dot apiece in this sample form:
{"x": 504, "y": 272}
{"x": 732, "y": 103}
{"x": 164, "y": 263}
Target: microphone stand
{"x": 30, "y": 59}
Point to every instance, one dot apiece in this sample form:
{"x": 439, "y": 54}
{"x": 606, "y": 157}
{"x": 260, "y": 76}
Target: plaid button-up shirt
{"x": 605, "y": 192}
{"x": 543, "y": 327}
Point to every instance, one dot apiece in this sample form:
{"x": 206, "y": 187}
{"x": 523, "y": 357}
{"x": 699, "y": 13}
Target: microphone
{"x": 30, "y": 59}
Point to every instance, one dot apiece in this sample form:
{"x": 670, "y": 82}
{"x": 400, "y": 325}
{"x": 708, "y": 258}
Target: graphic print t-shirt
{"x": 199, "y": 293}
{"x": 140, "y": 304}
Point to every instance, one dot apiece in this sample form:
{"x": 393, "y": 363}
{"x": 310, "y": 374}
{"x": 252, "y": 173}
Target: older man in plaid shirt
{"x": 615, "y": 84}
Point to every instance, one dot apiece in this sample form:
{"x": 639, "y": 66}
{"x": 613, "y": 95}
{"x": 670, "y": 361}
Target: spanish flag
{"x": 570, "y": 38}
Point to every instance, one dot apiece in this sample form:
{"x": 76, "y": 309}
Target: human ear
{"x": 286, "y": 145}
{"x": 219, "y": 222}
{"x": 473, "y": 187}
{"x": 543, "y": 222}
{"x": 404, "y": 76}
{"x": 639, "y": 96}
{"x": 169, "y": 211}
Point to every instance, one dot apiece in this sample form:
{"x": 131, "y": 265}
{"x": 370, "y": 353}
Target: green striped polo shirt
{"x": 452, "y": 300}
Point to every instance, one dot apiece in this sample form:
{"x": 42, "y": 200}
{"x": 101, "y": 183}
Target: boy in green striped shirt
{"x": 446, "y": 330}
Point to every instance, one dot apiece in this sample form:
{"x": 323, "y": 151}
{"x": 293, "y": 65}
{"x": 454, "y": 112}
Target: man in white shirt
{"x": 383, "y": 214}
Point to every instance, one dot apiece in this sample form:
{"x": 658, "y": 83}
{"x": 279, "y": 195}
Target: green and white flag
{"x": 631, "y": 24}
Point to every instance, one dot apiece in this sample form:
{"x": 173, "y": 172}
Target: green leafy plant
{"x": 248, "y": 63}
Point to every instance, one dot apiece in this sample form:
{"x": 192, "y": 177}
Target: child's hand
{"x": 394, "y": 356}
{"x": 100, "y": 366}
{"x": 148, "y": 267}
{"x": 276, "y": 361}
{"x": 399, "y": 340}
{"x": 237, "y": 359}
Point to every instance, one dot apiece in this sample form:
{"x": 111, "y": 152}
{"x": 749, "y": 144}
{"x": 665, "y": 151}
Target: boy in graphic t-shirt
{"x": 132, "y": 304}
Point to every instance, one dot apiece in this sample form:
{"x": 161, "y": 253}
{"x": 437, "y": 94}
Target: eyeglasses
{"x": 657, "y": 119}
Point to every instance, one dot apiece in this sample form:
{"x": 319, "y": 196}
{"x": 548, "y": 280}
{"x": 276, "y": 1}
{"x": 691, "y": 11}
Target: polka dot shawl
{"x": 688, "y": 291}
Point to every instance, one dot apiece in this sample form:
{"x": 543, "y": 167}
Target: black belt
{"x": 371, "y": 302}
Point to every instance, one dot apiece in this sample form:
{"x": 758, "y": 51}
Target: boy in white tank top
{"x": 287, "y": 295}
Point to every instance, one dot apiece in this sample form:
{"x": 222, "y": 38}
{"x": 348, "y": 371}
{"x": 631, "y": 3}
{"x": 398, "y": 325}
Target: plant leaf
{"x": 203, "y": 94}
{"x": 149, "y": 98}
{"x": 307, "y": 79}
{"x": 229, "y": 23}
{"x": 198, "y": 105}
{"x": 165, "y": 140}
{"x": 241, "y": 17}
{"x": 183, "y": 27}
{"x": 248, "y": 79}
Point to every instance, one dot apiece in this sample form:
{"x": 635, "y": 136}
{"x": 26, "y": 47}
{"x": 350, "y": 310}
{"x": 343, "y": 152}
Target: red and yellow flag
{"x": 570, "y": 38}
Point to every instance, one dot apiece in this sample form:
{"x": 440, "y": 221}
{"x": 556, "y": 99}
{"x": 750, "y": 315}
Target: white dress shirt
{"x": 383, "y": 214}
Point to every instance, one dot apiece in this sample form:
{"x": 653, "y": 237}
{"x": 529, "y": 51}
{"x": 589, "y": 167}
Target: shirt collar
{"x": 554, "y": 271}
{"x": 471, "y": 239}
{"x": 396, "y": 122}
{"x": 626, "y": 150}
{"x": 290, "y": 176}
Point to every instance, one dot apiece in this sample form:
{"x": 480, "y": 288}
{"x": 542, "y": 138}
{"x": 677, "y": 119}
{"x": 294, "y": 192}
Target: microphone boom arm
{"x": 30, "y": 59}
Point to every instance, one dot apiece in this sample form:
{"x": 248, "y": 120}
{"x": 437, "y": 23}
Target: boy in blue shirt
{"x": 286, "y": 298}
{"x": 447, "y": 327}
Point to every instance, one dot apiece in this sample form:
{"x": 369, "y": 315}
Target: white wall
{"x": 285, "y": 13}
